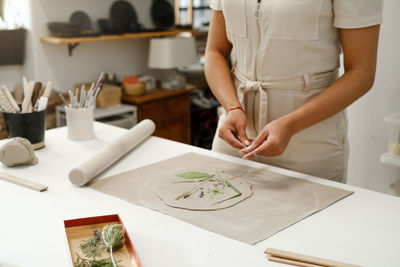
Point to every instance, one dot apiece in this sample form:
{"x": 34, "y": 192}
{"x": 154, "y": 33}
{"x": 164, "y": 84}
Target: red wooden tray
{"x": 77, "y": 230}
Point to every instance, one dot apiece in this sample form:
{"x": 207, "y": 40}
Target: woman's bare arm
{"x": 216, "y": 68}
{"x": 359, "y": 50}
{"x": 220, "y": 81}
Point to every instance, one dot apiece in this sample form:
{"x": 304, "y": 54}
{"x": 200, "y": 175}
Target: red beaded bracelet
{"x": 235, "y": 107}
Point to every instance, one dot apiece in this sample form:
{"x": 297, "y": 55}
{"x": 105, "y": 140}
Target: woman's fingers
{"x": 229, "y": 136}
{"x": 265, "y": 149}
{"x": 271, "y": 141}
{"x": 256, "y": 143}
{"x": 243, "y": 136}
{"x": 233, "y": 131}
{"x": 272, "y": 147}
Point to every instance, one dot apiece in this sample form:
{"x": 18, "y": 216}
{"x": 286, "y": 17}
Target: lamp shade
{"x": 172, "y": 52}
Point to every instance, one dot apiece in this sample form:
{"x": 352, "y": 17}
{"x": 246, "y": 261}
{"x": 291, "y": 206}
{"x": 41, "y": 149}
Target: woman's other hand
{"x": 271, "y": 141}
{"x": 233, "y": 131}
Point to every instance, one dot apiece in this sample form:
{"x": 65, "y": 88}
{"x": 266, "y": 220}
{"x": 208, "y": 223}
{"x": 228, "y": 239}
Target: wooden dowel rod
{"x": 22, "y": 182}
{"x": 306, "y": 259}
{"x": 292, "y": 262}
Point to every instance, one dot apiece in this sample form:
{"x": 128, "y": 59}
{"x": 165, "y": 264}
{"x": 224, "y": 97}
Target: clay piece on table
{"x": 194, "y": 190}
{"x": 18, "y": 151}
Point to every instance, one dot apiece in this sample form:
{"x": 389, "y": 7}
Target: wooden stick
{"x": 305, "y": 258}
{"x": 47, "y": 90}
{"x": 11, "y": 99}
{"x": 22, "y": 182}
{"x": 26, "y": 103}
{"x": 292, "y": 262}
{"x": 35, "y": 93}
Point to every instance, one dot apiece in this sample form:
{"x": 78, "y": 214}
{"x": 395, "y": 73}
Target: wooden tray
{"x": 78, "y": 230}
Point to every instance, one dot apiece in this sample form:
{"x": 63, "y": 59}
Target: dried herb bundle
{"x": 92, "y": 247}
{"x": 80, "y": 262}
{"x": 111, "y": 238}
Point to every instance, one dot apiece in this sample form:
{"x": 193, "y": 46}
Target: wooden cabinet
{"x": 169, "y": 109}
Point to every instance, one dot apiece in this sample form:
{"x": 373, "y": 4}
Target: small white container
{"x": 80, "y": 123}
{"x": 393, "y": 126}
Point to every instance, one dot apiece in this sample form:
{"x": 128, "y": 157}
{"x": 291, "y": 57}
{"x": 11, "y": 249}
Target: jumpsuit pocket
{"x": 295, "y": 20}
{"x": 235, "y": 16}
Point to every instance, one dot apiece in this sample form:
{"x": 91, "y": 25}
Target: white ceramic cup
{"x": 80, "y": 123}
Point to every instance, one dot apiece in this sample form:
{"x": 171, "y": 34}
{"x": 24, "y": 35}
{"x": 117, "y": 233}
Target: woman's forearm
{"x": 216, "y": 69}
{"x": 219, "y": 79}
{"x": 359, "y": 49}
{"x": 351, "y": 86}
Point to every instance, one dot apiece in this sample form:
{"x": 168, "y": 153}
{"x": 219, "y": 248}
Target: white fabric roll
{"x": 103, "y": 159}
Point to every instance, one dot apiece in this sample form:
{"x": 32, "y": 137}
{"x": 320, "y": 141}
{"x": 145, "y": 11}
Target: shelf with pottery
{"x": 75, "y": 41}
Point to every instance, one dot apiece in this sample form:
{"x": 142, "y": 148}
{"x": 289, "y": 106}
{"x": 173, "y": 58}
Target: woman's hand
{"x": 271, "y": 141}
{"x": 233, "y": 131}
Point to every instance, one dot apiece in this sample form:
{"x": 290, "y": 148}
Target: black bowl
{"x": 64, "y": 29}
{"x": 109, "y": 26}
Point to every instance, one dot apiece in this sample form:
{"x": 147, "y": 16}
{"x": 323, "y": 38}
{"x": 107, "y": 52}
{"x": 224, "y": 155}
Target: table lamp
{"x": 169, "y": 53}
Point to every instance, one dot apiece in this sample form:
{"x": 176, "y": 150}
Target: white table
{"x": 363, "y": 229}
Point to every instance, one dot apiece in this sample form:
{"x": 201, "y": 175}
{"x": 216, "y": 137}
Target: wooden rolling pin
{"x": 296, "y": 259}
{"x": 108, "y": 155}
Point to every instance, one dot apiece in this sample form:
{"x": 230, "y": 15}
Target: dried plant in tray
{"x": 111, "y": 239}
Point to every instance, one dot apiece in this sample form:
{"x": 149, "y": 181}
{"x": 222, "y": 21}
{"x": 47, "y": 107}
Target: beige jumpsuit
{"x": 286, "y": 52}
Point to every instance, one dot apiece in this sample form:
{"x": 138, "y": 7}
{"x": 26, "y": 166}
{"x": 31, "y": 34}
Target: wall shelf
{"x": 75, "y": 41}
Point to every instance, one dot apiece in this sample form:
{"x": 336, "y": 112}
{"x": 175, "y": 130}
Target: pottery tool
{"x": 26, "y": 103}
{"x": 63, "y": 99}
{"x": 107, "y": 156}
{"x": 45, "y": 97}
{"x": 22, "y": 182}
{"x": 71, "y": 99}
{"x": 18, "y": 93}
{"x": 297, "y": 259}
{"x": 89, "y": 101}
{"x": 86, "y": 98}
{"x": 100, "y": 81}
{"x": 25, "y": 84}
{"x": 35, "y": 93}
{"x": 82, "y": 96}
{"x": 7, "y": 101}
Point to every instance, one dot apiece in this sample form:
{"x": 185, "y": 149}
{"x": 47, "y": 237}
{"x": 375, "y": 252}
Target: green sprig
{"x": 235, "y": 196}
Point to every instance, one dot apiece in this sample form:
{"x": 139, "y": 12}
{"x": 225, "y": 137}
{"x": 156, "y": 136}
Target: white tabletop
{"x": 363, "y": 228}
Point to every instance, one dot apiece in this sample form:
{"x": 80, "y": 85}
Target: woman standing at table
{"x": 284, "y": 91}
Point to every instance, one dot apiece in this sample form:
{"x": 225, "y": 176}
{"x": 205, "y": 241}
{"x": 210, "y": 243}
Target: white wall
{"x": 9, "y": 75}
{"x": 367, "y": 129}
